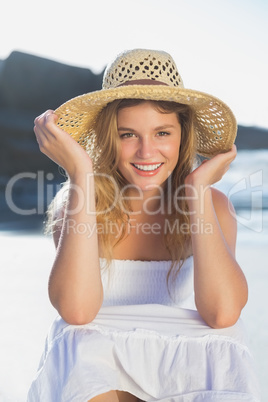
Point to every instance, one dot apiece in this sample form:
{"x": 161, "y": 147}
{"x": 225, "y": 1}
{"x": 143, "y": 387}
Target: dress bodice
{"x": 127, "y": 282}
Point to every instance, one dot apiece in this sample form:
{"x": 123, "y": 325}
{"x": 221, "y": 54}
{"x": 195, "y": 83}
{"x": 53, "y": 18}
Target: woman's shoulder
{"x": 226, "y": 216}
{"x": 222, "y": 204}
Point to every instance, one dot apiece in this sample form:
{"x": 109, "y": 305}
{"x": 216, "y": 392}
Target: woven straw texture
{"x": 142, "y": 64}
{"x": 215, "y": 124}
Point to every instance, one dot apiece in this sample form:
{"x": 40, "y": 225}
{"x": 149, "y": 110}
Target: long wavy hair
{"x": 111, "y": 206}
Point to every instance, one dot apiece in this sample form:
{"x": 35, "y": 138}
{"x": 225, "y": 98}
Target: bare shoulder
{"x": 226, "y": 216}
{"x": 222, "y": 202}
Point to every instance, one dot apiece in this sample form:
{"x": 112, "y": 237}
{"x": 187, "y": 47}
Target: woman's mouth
{"x": 147, "y": 169}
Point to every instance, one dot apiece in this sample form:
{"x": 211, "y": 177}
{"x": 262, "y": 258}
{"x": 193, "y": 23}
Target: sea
{"x": 246, "y": 185}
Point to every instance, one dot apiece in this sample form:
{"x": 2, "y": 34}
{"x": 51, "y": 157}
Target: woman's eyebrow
{"x": 164, "y": 127}
{"x": 126, "y": 129}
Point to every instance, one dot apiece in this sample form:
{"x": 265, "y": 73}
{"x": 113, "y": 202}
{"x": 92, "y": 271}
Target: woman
{"x": 145, "y": 278}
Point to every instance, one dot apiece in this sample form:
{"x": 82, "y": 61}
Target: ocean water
{"x": 246, "y": 185}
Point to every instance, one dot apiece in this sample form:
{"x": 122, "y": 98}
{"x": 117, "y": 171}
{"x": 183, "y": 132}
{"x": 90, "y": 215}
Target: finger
{"x": 233, "y": 150}
{"x": 42, "y": 116}
{"x": 45, "y": 125}
{"x": 228, "y": 156}
{"x": 50, "y": 117}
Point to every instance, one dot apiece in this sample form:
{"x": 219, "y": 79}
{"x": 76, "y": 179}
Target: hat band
{"x": 142, "y": 82}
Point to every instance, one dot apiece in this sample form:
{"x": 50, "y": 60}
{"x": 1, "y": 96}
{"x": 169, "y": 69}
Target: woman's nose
{"x": 146, "y": 148}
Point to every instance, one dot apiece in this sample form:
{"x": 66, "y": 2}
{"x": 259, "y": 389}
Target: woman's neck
{"x": 147, "y": 202}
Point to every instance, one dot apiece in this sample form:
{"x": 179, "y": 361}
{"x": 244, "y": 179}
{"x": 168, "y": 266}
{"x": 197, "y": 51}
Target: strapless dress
{"x": 148, "y": 339}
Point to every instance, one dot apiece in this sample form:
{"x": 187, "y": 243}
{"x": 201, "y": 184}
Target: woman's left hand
{"x": 212, "y": 170}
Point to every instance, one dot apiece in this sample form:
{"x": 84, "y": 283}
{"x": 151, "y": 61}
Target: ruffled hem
{"x": 155, "y": 352}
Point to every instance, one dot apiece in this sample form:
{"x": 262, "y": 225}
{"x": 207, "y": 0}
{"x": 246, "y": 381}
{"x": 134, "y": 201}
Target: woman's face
{"x": 150, "y": 143}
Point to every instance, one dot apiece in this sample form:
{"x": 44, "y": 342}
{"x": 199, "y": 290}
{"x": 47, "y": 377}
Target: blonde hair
{"x": 108, "y": 179}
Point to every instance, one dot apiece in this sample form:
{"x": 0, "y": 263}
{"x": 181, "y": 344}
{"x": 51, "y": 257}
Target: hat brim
{"x": 214, "y": 123}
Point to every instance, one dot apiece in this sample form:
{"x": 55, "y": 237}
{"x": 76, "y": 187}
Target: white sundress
{"x": 148, "y": 341}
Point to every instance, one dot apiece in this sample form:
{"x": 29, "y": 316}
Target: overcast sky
{"x": 220, "y": 46}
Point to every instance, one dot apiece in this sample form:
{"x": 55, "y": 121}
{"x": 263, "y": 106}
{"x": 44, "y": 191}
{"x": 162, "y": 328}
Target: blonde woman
{"x": 145, "y": 279}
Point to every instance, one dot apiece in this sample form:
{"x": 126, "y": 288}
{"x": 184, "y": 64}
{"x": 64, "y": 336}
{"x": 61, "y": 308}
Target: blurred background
{"x": 52, "y": 51}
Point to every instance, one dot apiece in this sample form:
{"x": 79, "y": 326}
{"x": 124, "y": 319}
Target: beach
{"x": 26, "y": 260}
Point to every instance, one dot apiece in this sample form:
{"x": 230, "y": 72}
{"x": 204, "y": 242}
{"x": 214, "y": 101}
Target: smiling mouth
{"x": 147, "y": 168}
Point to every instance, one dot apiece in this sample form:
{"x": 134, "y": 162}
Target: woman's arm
{"x": 220, "y": 285}
{"x": 75, "y": 288}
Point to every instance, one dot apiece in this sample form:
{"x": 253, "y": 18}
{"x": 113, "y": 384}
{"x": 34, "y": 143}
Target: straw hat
{"x": 150, "y": 75}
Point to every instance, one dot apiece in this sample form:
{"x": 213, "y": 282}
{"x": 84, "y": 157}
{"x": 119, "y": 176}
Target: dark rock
{"x": 251, "y": 138}
{"x": 35, "y": 84}
{"x": 29, "y": 85}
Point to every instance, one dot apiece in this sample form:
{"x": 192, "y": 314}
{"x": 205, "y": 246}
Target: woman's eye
{"x": 127, "y": 135}
{"x": 163, "y": 133}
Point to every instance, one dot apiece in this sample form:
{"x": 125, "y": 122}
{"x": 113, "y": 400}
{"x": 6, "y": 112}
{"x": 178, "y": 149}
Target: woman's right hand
{"x": 59, "y": 146}
{"x": 75, "y": 287}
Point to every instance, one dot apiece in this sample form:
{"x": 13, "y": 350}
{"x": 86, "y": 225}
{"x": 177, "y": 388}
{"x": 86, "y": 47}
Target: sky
{"x": 220, "y": 46}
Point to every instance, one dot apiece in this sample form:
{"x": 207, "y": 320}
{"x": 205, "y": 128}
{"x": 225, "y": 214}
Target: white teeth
{"x": 148, "y": 167}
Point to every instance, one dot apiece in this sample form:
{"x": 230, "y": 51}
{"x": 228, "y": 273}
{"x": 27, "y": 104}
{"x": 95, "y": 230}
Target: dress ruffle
{"x": 156, "y": 352}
